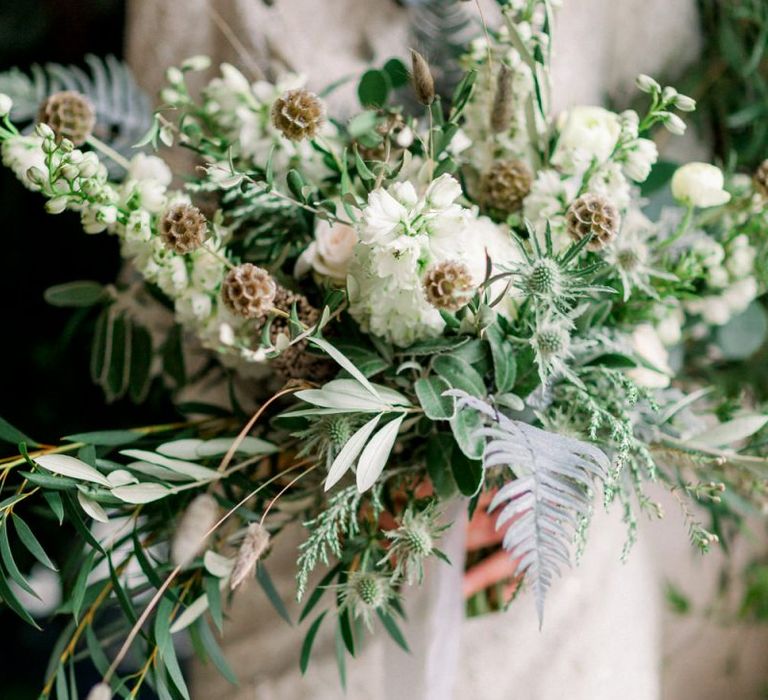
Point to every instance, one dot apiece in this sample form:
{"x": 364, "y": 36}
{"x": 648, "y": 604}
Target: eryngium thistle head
{"x": 504, "y": 186}
{"x": 551, "y": 341}
{"x": 421, "y": 76}
{"x": 298, "y": 114}
{"x": 448, "y": 285}
{"x": 544, "y": 278}
{"x": 182, "y": 227}
{"x": 69, "y": 114}
{"x": 595, "y": 216}
{"x": 339, "y": 430}
{"x": 503, "y": 103}
{"x": 254, "y": 545}
{"x": 760, "y": 179}
{"x": 248, "y": 291}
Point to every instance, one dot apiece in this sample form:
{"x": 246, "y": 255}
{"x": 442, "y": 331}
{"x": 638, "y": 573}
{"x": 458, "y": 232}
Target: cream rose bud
{"x": 6, "y": 104}
{"x": 144, "y": 167}
{"x": 592, "y": 131}
{"x": 443, "y": 192}
{"x": 329, "y": 254}
{"x": 699, "y": 185}
{"x": 647, "y": 345}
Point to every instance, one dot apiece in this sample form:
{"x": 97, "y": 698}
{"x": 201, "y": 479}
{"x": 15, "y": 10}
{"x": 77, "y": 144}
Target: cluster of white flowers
{"x": 730, "y": 272}
{"x": 401, "y": 234}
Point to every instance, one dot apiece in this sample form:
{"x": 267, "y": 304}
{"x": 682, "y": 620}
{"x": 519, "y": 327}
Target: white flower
{"x": 151, "y": 195}
{"x": 640, "y": 157}
{"x": 715, "y": 310}
{"x": 172, "y": 277}
{"x": 740, "y": 294}
{"x": 443, "y": 192}
{"x": 21, "y": 154}
{"x": 741, "y": 257}
{"x": 382, "y": 217}
{"x": 699, "y": 185}
{"x": 329, "y": 254}
{"x": 207, "y": 271}
{"x": 145, "y": 167}
{"x": 647, "y": 345}
{"x": 670, "y": 327}
{"x": 193, "y": 307}
{"x": 6, "y": 104}
{"x": 609, "y": 182}
{"x": 586, "y": 134}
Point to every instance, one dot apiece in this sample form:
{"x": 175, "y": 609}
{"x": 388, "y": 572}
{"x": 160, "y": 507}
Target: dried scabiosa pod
{"x": 69, "y": 114}
{"x": 298, "y": 114}
{"x": 183, "y": 228}
{"x": 448, "y": 285}
{"x": 249, "y": 291}
{"x": 504, "y": 186}
{"x": 595, "y": 216}
{"x": 421, "y": 76}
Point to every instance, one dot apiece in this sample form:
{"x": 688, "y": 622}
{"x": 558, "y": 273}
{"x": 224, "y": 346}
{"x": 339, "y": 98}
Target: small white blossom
{"x": 329, "y": 254}
{"x": 699, "y": 185}
{"x": 586, "y": 134}
{"x": 6, "y": 104}
{"x": 647, "y": 345}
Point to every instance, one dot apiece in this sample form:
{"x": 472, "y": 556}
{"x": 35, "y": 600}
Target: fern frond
{"x": 441, "y": 31}
{"x": 551, "y": 494}
{"x": 123, "y": 110}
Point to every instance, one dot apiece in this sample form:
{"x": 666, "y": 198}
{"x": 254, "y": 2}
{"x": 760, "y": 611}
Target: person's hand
{"x": 496, "y": 568}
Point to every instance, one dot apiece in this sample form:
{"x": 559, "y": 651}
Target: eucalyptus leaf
{"x": 349, "y": 453}
{"x": 71, "y": 467}
{"x": 141, "y": 493}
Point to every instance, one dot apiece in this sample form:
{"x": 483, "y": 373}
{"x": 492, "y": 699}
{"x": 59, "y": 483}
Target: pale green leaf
{"x": 141, "y": 493}
{"x": 349, "y": 452}
{"x": 65, "y": 465}
{"x": 376, "y": 453}
{"x": 92, "y": 508}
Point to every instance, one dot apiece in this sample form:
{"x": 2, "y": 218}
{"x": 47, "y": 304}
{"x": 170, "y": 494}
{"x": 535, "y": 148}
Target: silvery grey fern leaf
{"x": 552, "y": 490}
{"x": 441, "y": 30}
{"x": 123, "y": 110}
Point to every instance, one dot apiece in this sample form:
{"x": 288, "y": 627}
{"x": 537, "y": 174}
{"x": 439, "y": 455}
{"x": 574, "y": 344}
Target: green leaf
{"x": 397, "y": 71}
{"x": 341, "y": 662}
{"x": 344, "y": 362}
{"x": 173, "y": 356}
{"x": 214, "y": 651}
{"x": 191, "y": 614}
{"x": 460, "y": 375}
{"x": 116, "y": 380}
{"x": 429, "y": 391}
{"x": 317, "y": 594}
{"x": 373, "y": 88}
{"x": 65, "y": 465}
{"x": 468, "y": 473}
{"x": 105, "y": 437}
{"x": 394, "y": 631}
{"x": 465, "y": 425}
{"x": 92, "y": 508}
{"x": 76, "y": 294}
{"x": 31, "y": 542}
{"x": 10, "y": 599}
{"x": 140, "y": 369}
{"x": 309, "y": 640}
{"x": 744, "y": 334}
{"x": 190, "y": 469}
{"x": 440, "y": 448}
{"x": 212, "y": 586}
{"x": 432, "y": 346}
{"x": 296, "y": 184}
{"x": 13, "y": 435}
{"x": 349, "y": 453}
{"x": 730, "y": 432}
{"x": 77, "y": 594}
{"x": 165, "y": 646}
{"x": 54, "y": 503}
{"x": 376, "y": 453}
{"x": 345, "y": 627}
{"x": 10, "y": 563}
{"x": 141, "y": 493}
{"x": 503, "y": 354}
{"x": 265, "y": 580}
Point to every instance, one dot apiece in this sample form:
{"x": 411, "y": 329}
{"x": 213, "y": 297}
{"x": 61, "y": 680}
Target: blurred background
{"x": 45, "y": 388}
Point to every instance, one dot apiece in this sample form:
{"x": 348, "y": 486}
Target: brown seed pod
{"x": 504, "y": 186}
{"x": 421, "y": 76}
{"x": 70, "y": 115}
{"x": 248, "y": 291}
{"x": 503, "y": 104}
{"x": 298, "y": 114}
{"x": 182, "y": 227}
{"x": 760, "y": 179}
{"x": 593, "y": 215}
{"x": 448, "y": 285}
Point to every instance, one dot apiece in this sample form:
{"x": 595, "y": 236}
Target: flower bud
{"x": 69, "y": 171}
{"x": 196, "y": 63}
{"x": 685, "y": 103}
{"x": 668, "y": 94}
{"x": 174, "y": 76}
{"x": 646, "y": 83}
{"x": 674, "y": 124}
{"x": 35, "y": 175}
{"x": 6, "y": 104}
{"x": 56, "y": 205}
{"x": 44, "y": 131}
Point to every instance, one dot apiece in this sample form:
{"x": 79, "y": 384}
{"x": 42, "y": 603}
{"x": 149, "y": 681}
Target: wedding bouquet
{"x": 396, "y": 311}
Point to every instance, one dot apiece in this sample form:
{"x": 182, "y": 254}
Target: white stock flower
{"x": 586, "y": 134}
{"x": 647, "y": 345}
{"x": 741, "y": 257}
{"x": 172, "y": 278}
{"x": 146, "y": 167}
{"x": 6, "y": 105}
{"x": 20, "y": 154}
{"x": 443, "y": 192}
{"x": 193, "y": 306}
{"x": 640, "y": 157}
{"x": 740, "y": 294}
{"x": 329, "y": 254}
{"x": 207, "y": 271}
{"x": 699, "y": 185}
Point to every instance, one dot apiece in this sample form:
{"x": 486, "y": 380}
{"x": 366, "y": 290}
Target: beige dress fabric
{"x": 606, "y": 633}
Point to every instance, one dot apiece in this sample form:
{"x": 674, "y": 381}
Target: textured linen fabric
{"x": 602, "y": 637}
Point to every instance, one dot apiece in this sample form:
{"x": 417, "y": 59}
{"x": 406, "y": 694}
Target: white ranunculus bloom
{"x": 144, "y": 167}
{"x": 329, "y": 254}
{"x": 647, "y": 345}
{"x": 586, "y": 134}
{"x": 443, "y": 192}
{"x": 699, "y": 185}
